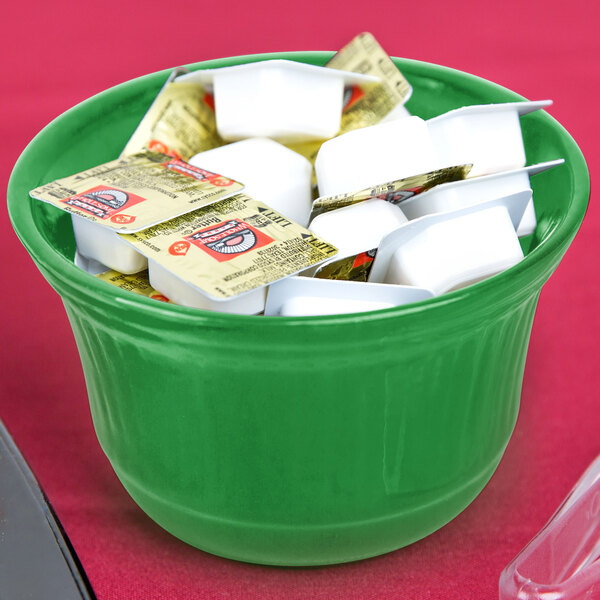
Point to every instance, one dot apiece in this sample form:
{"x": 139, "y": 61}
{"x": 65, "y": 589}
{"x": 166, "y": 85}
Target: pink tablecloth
{"x": 54, "y": 56}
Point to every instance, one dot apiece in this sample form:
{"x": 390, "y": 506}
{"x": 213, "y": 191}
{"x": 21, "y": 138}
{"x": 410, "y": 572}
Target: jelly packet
{"x": 180, "y": 121}
{"x": 136, "y": 191}
{"x": 395, "y": 191}
{"x": 138, "y": 283}
{"x": 231, "y": 247}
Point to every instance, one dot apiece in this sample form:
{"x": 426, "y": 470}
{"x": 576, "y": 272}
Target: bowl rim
{"x": 532, "y": 270}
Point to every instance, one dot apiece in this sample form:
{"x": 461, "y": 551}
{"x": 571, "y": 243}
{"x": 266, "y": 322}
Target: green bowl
{"x": 300, "y": 441}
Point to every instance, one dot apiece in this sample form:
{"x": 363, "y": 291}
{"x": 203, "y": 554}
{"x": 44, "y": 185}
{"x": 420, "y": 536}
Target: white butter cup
{"x": 372, "y": 155}
{"x": 303, "y": 296}
{"x": 358, "y": 227}
{"x": 179, "y": 292}
{"x": 398, "y": 112}
{"x": 104, "y": 245}
{"x": 488, "y": 136}
{"x": 281, "y": 99}
{"x": 269, "y": 171}
{"x": 475, "y": 190}
{"x": 451, "y": 250}
{"x": 89, "y": 265}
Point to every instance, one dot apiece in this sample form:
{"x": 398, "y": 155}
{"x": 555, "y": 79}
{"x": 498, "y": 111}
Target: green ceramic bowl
{"x": 300, "y": 441}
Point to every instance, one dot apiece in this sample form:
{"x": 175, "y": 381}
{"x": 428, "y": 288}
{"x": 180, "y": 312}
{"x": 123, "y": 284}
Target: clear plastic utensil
{"x": 562, "y": 561}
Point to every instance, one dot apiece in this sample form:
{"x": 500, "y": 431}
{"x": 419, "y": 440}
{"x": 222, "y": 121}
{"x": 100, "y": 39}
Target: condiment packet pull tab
{"x": 561, "y": 561}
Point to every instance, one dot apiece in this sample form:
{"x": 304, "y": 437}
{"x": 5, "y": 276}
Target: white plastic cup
{"x": 488, "y": 136}
{"x": 372, "y": 155}
{"x": 89, "y": 265}
{"x": 358, "y": 227}
{"x": 184, "y": 294}
{"x": 281, "y": 99}
{"x": 304, "y": 296}
{"x": 269, "y": 171}
{"x": 104, "y": 245}
{"x": 452, "y": 250}
{"x": 475, "y": 190}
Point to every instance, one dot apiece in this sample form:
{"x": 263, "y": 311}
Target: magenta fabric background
{"x": 56, "y": 54}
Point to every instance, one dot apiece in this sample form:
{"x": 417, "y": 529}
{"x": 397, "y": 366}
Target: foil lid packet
{"x": 138, "y": 283}
{"x": 365, "y": 55}
{"x": 349, "y": 268}
{"x": 180, "y": 122}
{"x": 394, "y": 191}
{"x": 136, "y": 191}
{"x": 231, "y": 247}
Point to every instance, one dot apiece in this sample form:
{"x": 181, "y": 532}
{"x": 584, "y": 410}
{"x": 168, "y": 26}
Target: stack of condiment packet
{"x": 211, "y": 203}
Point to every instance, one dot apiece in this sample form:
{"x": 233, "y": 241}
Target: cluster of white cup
{"x": 447, "y": 237}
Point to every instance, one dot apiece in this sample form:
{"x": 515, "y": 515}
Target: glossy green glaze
{"x": 300, "y": 441}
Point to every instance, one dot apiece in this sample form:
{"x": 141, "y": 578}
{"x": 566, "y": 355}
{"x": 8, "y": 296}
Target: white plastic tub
{"x": 488, "y": 136}
{"x": 364, "y": 157}
{"x": 179, "y": 292}
{"x": 451, "y": 250}
{"x": 304, "y": 296}
{"x": 358, "y": 227}
{"x": 105, "y": 246}
{"x": 281, "y": 99}
{"x": 269, "y": 171}
{"x": 475, "y": 190}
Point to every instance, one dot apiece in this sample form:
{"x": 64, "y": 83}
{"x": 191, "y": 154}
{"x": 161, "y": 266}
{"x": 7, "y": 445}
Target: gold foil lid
{"x": 180, "y": 122}
{"x": 138, "y": 283}
{"x": 395, "y": 191}
{"x": 137, "y": 191}
{"x": 350, "y": 268}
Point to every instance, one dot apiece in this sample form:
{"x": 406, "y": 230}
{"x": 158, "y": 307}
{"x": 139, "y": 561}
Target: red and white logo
{"x": 229, "y": 239}
{"x": 179, "y": 248}
{"x": 104, "y": 202}
{"x": 400, "y": 195}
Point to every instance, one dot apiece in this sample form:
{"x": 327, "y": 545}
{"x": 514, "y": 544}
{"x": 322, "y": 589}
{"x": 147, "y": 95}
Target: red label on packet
{"x": 104, "y": 202}
{"x": 229, "y": 239}
{"x": 362, "y": 259}
{"x": 351, "y": 96}
{"x": 209, "y": 100}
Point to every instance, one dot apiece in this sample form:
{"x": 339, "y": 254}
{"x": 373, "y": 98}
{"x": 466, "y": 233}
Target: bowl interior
{"x": 96, "y": 131}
